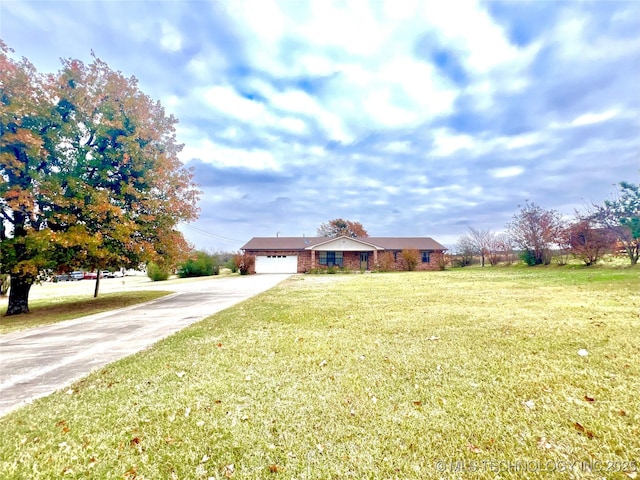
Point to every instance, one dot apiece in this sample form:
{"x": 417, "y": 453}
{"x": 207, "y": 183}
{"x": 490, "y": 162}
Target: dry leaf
{"x": 433, "y": 338}
{"x": 631, "y": 475}
{"x": 229, "y": 470}
{"x": 274, "y": 468}
{"x": 181, "y": 374}
{"x": 589, "y": 399}
{"x": 622, "y": 413}
{"x": 205, "y": 458}
{"x": 474, "y": 448}
{"x": 322, "y": 363}
{"x": 417, "y": 403}
{"x": 219, "y": 345}
{"x": 131, "y": 473}
{"x": 320, "y": 448}
{"x": 187, "y": 411}
{"x": 530, "y": 404}
{"x": 544, "y": 444}
{"x": 583, "y": 430}
{"x": 583, "y": 352}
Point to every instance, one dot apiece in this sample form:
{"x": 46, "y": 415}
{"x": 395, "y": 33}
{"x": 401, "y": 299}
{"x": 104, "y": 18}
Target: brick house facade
{"x": 303, "y": 254}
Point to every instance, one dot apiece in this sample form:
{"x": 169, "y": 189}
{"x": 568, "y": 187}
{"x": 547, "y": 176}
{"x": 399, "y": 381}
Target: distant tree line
{"x": 538, "y": 234}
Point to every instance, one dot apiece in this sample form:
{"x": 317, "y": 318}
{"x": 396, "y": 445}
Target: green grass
{"x": 52, "y": 310}
{"x": 365, "y": 376}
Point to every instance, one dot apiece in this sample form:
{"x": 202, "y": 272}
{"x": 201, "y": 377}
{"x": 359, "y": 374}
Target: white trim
{"x": 344, "y": 244}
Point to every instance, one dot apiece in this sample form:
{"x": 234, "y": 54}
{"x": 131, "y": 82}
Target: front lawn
{"x": 45, "y": 311}
{"x": 480, "y": 373}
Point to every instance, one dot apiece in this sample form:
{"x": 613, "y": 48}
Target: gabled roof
{"x": 344, "y": 243}
{"x": 302, "y": 243}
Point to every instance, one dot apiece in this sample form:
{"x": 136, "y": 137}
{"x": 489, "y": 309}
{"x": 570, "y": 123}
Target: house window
{"x": 330, "y": 258}
{"x": 425, "y": 257}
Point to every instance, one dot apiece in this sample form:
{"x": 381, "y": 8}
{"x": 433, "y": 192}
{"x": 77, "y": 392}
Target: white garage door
{"x": 276, "y": 264}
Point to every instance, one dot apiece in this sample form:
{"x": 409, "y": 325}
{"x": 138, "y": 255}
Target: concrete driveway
{"x": 36, "y": 362}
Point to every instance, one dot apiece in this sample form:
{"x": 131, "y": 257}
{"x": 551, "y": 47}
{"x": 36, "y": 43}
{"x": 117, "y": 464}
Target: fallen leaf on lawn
{"x": 320, "y": 448}
{"x": 219, "y": 345}
{"x": 631, "y": 474}
{"x": 137, "y": 443}
{"x": 473, "y": 448}
{"x": 244, "y": 418}
{"x": 353, "y": 412}
{"x": 131, "y": 473}
{"x": 187, "y": 411}
{"x": 530, "y": 404}
{"x": 70, "y": 391}
{"x": 67, "y": 470}
{"x": 229, "y": 470}
{"x": 205, "y": 458}
{"x": 544, "y": 444}
{"x": 200, "y": 423}
{"x": 92, "y": 462}
{"x": 583, "y": 430}
{"x": 589, "y": 399}
{"x": 622, "y": 413}
{"x": 322, "y": 363}
{"x": 274, "y": 468}
{"x": 417, "y": 403}
{"x": 583, "y": 352}
{"x": 433, "y": 338}
{"x": 181, "y": 374}
{"x": 374, "y": 399}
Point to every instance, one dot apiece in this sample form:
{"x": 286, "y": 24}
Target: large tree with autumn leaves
{"x": 89, "y": 174}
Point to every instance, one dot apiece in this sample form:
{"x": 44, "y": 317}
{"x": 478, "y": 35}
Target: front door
{"x": 364, "y": 260}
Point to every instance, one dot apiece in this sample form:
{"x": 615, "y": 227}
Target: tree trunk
{"x": 95, "y": 291}
{"x": 19, "y": 295}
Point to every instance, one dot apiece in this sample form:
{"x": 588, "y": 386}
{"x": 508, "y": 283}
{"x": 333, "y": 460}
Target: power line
{"x": 212, "y": 235}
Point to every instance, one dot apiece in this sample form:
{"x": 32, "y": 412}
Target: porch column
{"x": 313, "y": 259}
{"x": 375, "y": 258}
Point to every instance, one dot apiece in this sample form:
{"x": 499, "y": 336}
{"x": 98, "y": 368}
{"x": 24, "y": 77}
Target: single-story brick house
{"x": 301, "y": 254}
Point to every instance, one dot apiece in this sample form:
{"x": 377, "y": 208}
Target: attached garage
{"x": 276, "y": 263}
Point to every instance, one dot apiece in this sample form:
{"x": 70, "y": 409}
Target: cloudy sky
{"x": 413, "y": 117}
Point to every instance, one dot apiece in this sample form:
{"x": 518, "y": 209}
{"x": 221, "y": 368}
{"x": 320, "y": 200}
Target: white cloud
{"x": 506, "y": 172}
{"x": 170, "y": 38}
{"x": 446, "y": 142}
{"x": 590, "y": 118}
{"x": 223, "y": 156}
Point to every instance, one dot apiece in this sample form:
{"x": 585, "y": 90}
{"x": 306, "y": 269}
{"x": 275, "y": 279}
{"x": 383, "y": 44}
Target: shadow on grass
{"x": 58, "y": 309}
